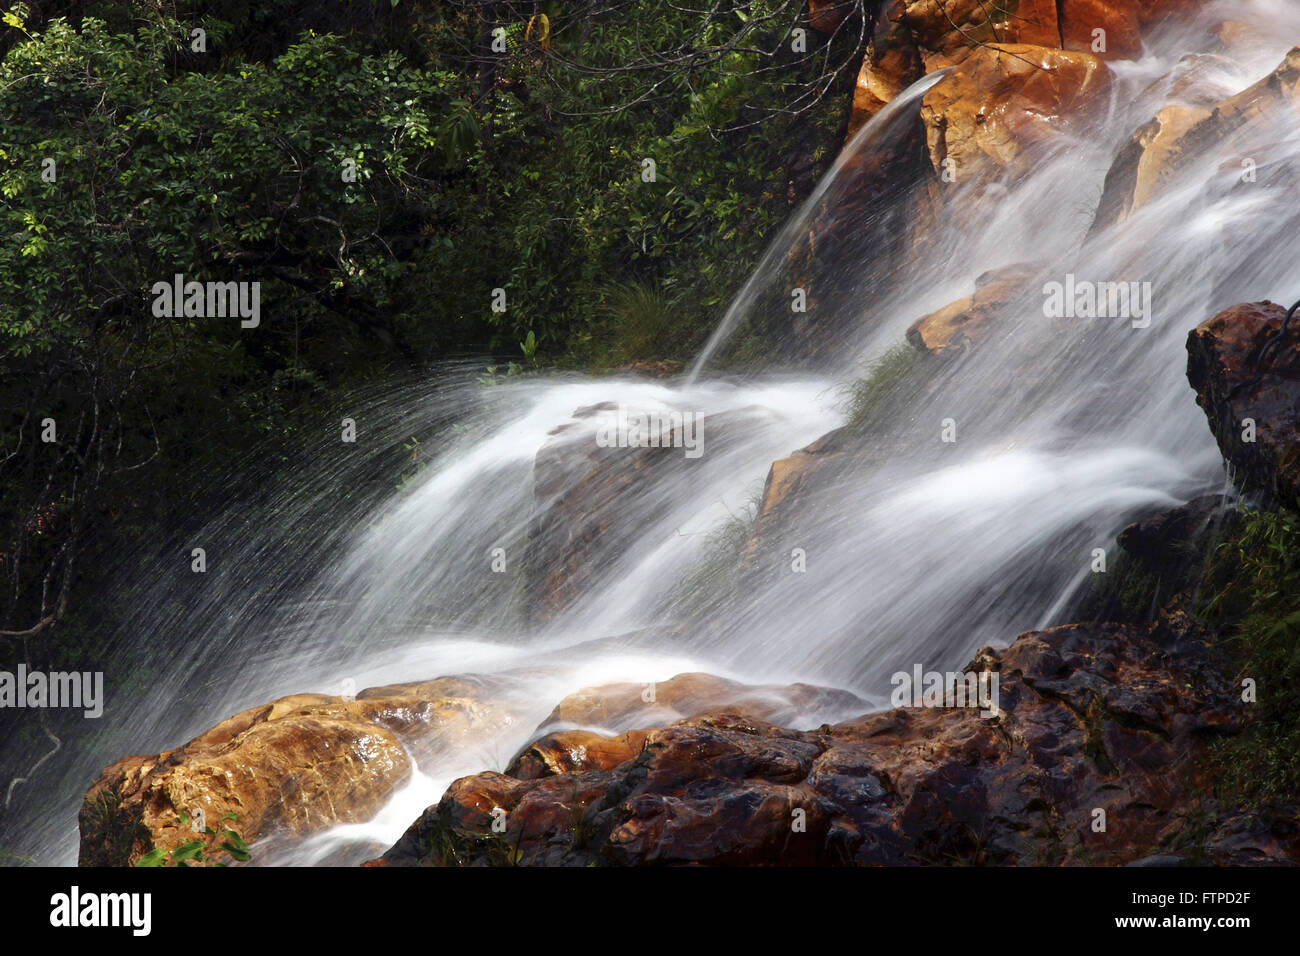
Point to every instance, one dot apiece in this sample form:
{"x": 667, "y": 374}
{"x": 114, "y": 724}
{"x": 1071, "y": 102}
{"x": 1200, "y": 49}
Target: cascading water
{"x": 1065, "y": 428}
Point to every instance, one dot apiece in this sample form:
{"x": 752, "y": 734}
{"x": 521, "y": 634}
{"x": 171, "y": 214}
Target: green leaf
{"x": 154, "y": 857}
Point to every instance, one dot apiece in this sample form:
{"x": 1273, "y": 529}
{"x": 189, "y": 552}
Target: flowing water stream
{"x": 1065, "y": 428}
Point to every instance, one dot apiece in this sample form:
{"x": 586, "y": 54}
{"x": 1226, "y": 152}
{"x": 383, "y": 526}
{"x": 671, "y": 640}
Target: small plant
{"x": 886, "y": 373}
{"x": 640, "y": 317}
{"x": 200, "y": 851}
{"x": 1254, "y": 587}
{"x": 406, "y": 477}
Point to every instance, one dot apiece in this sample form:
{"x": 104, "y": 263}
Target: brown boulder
{"x": 984, "y": 118}
{"x": 964, "y": 323}
{"x": 1233, "y": 385}
{"x": 298, "y": 765}
{"x": 1090, "y": 717}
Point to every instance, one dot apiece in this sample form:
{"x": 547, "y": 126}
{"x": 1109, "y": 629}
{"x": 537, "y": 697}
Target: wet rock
{"x": 985, "y": 118}
{"x": 298, "y": 765}
{"x": 963, "y": 324}
{"x": 1090, "y": 717}
{"x": 911, "y": 38}
{"x": 1162, "y": 151}
{"x": 1253, "y": 407}
{"x": 1173, "y": 537}
{"x": 620, "y": 706}
{"x": 566, "y": 751}
{"x": 591, "y": 498}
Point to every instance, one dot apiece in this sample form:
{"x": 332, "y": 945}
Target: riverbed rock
{"x": 591, "y": 497}
{"x": 1233, "y": 386}
{"x": 1161, "y": 152}
{"x": 1089, "y": 718}
{"x": 622, "y": 706}
{"x": 965, "y": 323}
{"x": 298, "y": 765}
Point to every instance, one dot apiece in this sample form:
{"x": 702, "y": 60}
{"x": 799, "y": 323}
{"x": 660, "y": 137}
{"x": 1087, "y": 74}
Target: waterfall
{"x": 921, "y": 553}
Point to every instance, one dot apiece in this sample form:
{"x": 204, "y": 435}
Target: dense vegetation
{"x": 380, "y": 168}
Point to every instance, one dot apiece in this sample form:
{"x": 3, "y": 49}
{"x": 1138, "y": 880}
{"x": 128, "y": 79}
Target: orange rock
{"x": 983, "y": 118}
{"x": 911, "y": 38}
{"x": 619, "y": 706}
{"x": 298, "y": 765}
{"x": 956, "y": 327}
{"x": 567, "y": 751}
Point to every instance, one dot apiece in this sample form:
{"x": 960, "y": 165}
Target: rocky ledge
{"x": 1095, "y": 755}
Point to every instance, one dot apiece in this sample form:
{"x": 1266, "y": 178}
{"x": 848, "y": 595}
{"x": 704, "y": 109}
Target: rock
{"x": 1223, "y": 353}
{"x": 1239, "y": 37}
{"x": 825, "y": 16}
{"x": 1172, "y": 537}
{"x": 985, "y": 118}
{"x": 1163, "y": 150}
{"x": 567, "y": 751}
{"x": 1160, "y": 859}
{"x": 620, "y": 706}
{"x": 1090, "y": 716}
{"x": 911, "y": 38}
{"x": 1202, "y": 79}
{"x": 890, "y": 64}
{"x": 590, "y": 499}
{"x": 964, "y": 323}
{"x": 1268, "y": 836}
{"x": 300, "y": 764}
{"x": 783, "y": 491}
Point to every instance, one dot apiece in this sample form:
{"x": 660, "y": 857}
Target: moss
{"x": 1253, "y": 600}
{"x": 715, "y": 578}
{"x": 882, "y": 382}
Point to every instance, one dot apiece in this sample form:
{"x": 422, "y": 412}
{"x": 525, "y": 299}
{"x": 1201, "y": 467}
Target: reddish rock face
{"x": 986, "y": 116}
{"x": 1091, "y": 717}
{"x": 913, "y": 37}
{"x": 1232, "y": 386}
{"x": 299, "y": 765}
{"x": 825, "y": 15}
{"x": 965, "y": 323}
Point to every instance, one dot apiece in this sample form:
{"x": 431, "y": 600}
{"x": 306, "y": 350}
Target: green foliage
{"x": 883, "y": 376}
{"x": 234, "y": 165}
{"x": 716, "y": 577}
{"x": 638, "y": 323}
{"x": 202, "y": 850}
{"x": 1254, "y": 594}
